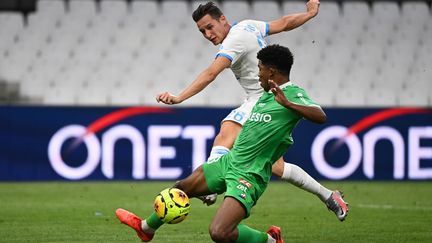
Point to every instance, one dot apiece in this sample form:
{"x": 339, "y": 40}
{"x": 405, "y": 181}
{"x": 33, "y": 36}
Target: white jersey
{"x": 241, "y": 46}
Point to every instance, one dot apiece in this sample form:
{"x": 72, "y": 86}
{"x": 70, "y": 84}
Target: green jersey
{"x": 267, "y": 134}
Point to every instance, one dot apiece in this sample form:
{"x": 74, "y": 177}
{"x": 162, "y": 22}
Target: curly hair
{"x": 278, "y": 57}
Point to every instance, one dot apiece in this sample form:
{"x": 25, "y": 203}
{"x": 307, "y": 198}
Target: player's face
{"x": 264, "y": 76}
{"x": 212, "y": 29}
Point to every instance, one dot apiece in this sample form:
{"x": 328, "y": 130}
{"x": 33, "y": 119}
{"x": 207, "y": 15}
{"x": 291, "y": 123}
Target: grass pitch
{"x": 84, "y": 212}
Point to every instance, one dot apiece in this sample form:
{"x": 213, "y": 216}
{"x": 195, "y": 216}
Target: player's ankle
{"x": 270, "y": 239}
{"x": 146, "y": 228}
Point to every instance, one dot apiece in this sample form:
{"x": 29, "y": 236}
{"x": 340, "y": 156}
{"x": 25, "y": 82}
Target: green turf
{"x": 84, "y": 212}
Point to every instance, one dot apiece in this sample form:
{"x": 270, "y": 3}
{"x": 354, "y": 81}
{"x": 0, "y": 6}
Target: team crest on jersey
{"x": 300, "y": 96}
{"x": 250, "y": 28}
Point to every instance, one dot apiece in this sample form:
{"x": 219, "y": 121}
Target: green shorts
{"x": 243, "y": 186}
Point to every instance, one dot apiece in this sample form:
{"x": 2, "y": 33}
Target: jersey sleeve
{"x": 262, "y": 26}
{"x": 302, "y": 98}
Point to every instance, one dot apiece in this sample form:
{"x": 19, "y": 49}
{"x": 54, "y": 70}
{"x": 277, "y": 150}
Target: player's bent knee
{"x": 180, "y": 185}
{"x": 177, "y": 185}
{"x": 278, "y": 168}
{"x": 219, "y": 234}
{"x": 193, "y": 185}
{"x": 188, "y": 186}
{"x": 227, "y": 134}
{"x": 225, "y": 140}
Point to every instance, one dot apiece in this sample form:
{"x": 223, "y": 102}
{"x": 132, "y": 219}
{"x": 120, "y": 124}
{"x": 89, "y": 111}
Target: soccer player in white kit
{"x": 239, "y": 45}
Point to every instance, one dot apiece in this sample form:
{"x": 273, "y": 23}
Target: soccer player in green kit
{"x": 243, "y": 173}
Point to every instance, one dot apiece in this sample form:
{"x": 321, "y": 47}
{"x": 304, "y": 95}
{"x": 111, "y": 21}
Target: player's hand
{"x": 278, "y": 93}
{"x": 167, "y": 98}
{"x": 208, "y": 200}
{"x": 312, "y": 7}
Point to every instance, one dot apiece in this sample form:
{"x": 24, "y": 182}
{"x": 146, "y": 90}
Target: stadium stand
{"x": 114, "y": 52}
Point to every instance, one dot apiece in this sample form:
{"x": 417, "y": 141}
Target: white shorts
{"x": 242, "y": 113}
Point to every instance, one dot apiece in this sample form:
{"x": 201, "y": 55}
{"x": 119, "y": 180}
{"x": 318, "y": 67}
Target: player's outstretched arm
{"x": 292, "y": 21}
{"x": 311, "y": 113}
{"x": 204, "y": 78}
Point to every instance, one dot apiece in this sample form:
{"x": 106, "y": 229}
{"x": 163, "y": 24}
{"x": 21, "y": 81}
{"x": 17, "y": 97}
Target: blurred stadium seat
{"x": 59, "y": 96}
{"x": 236, "y": 10}
{"x": 115, "y": 52}
{"x": 264, "y": 10}
{"x": 412, "y": 97}
{"x": 350, "y": 98}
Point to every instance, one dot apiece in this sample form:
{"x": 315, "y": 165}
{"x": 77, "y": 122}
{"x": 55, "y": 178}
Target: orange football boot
{"x": 275, "y": 233}
{"x": 134, "y": 222}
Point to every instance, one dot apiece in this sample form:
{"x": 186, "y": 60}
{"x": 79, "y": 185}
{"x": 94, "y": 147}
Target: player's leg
{"x": 298, "y": 177}
{"x": 222, "y": 145}
{"x": 242, "y": 191}
{"x": 223, "y": 227}
{"x": 224, "y": 140}
{"x": 226, "y": 227}
{"x": 194, "y": 185}
{"x": 230, "y": 128}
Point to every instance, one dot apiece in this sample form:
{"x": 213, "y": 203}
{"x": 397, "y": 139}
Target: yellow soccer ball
{"x": 172, "y": 205}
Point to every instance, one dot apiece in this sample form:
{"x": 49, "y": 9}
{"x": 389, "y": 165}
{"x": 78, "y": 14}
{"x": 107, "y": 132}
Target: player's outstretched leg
{"x": 145, "y": 229}
{"x": 298, "y": 177}
{"x": 222, "y": 144}
{"x": 275, "y": 233}
{"x": 194, "y": 185}
{"x": 226, "y": 227}
{"x": 250, "y": 235}
{"x": 215, "y": 153}
{"x": 336, "y": 204}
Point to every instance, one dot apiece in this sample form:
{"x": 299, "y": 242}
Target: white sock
{"x": 298, "y": 177}
{"x": 146, "y": 228}
{"x": 270, "y": 239}
{"x": 217, "y": 151}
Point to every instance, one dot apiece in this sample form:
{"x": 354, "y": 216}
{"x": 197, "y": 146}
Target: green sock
{"x": 247, "y": 234}
{"x": 154, "y": 221}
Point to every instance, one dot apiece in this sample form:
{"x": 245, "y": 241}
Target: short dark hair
{"x": 278, "y": 57}
{"x": 209, "y": 8}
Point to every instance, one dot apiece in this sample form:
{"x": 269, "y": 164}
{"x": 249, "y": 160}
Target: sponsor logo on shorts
{"x": 243, "y": 196}
{"x": 244, "y": 182}
{"x": 242, "y": 188}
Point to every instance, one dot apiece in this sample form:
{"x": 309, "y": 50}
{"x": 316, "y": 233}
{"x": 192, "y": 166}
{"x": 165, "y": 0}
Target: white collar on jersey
{"x": 289, "y": 83}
